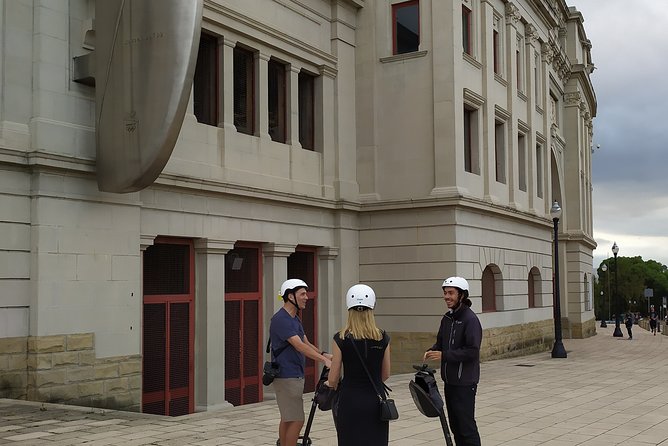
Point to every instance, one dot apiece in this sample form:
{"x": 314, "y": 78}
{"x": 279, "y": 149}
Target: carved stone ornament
{"x": 513, "y": 13}
{"x": 530, "y": 33}
{"x": 572, "y": 98}
{"x": 546, "y": 53}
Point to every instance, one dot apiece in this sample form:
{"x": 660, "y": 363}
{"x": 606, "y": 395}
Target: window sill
{"x": 472, "y": 60}
{"x": 500, "y": 79}
{"x": 404, "y": 56}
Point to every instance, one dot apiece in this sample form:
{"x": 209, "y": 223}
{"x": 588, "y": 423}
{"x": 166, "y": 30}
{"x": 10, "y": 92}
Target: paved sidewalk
{"x": 608, "y": 391}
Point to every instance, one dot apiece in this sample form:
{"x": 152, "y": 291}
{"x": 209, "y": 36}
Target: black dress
{"x": 358, "y": 412}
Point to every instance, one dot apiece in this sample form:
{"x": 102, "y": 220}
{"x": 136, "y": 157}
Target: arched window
{"x": 533, "y": 286}
{"x": 488, "y": 290}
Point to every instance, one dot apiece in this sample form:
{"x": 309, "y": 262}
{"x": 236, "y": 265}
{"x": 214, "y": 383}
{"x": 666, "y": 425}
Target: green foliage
{"x": 633, "y": 276}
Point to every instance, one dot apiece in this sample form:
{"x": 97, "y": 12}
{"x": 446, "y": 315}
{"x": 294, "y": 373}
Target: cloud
{"x": 629, "y": 171}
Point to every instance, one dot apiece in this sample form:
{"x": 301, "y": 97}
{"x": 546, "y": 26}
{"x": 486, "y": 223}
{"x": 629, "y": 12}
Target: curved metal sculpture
{"x": 145, "y": 52}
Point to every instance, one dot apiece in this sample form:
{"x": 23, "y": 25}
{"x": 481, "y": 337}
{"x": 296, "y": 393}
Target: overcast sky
{"x": 630, "y": 170}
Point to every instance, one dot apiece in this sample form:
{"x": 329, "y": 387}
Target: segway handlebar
{"x": 424, "y": 368}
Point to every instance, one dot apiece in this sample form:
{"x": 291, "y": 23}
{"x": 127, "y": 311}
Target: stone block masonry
{"x": 64, "y": 369}
{"x": 502, "y": 342}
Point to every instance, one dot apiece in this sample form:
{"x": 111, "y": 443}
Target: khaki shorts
{"x": 289, "y": 393}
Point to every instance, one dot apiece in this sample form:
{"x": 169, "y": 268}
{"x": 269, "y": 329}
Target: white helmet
{"x": 456, "y": 282}
{"x": 291, "y": 285}
{"x": 360, "y": 295}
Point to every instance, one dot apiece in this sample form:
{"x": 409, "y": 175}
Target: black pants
{"x": 628, "y": 329}
{"x": 460, "y": 402}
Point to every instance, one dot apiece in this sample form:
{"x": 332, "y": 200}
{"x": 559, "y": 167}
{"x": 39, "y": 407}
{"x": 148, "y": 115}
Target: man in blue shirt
{"x": 290, "y": 348}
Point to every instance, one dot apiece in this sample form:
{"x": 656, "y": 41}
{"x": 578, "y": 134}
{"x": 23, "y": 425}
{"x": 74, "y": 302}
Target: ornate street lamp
{"x": 558, "y": 351}
{"x": 618, "y": 331}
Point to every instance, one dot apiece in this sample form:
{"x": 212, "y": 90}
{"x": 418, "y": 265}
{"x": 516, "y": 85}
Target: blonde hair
{"x": 361, "y": 325}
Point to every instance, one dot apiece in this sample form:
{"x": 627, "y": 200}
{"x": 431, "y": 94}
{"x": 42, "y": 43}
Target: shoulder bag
{"x": 388, "y": 410}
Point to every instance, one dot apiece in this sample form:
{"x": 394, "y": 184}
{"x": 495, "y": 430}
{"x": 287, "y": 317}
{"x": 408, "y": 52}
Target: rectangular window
{"x": 467, "y": 139}
{"x": 554, "y": 110}
{"x": 518, "y": 67}
{"x": 306, "y": 110}
{"x": 276, "y": 107}
{"x": 519, "y": 61}
{"x": 406, "y": 27}
{"x": 500, "y": 151}
{"x": 539, "y": 170}
{"x": 205, "y": 82}
{"x": 537, "y": 81}
{"x": 495, "y": 43}
{"x": 471, "y": 163}
{"x": 244, "y": 90}
{"x": 466, "y": 30}
{"x": 522, "y": 161}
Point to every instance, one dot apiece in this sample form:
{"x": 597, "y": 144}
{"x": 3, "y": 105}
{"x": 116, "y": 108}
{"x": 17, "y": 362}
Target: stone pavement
{"x": 608, "y": 391}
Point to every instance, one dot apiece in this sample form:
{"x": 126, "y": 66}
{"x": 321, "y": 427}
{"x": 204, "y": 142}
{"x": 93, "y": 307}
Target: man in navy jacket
{"x": 458, "y": 348}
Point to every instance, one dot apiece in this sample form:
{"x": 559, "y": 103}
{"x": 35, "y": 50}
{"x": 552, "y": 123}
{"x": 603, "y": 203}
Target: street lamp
{"x": 604, "y": 268}
{"x": 603, "y": 323}
{"x": 618, "y": 331}
{"x": 558, "y": 351}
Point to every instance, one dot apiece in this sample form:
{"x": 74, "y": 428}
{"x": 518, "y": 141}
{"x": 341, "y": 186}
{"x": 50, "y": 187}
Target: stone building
{"x": 389, "y": 142}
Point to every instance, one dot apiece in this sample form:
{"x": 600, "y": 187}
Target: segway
{"x": 424, "y": 390}
{"x": 304, "y": 440}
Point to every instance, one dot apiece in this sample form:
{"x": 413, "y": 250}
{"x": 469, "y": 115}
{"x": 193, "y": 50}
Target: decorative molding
{"x": 213, "y": 246}
{"x": 530, "y": 33}
{"x": 399, "y": 57}
{"x": 501, "y": 113}
{"x": 327, "y": 71}
{"x": 472, "y": 98}
{"x": 278, "y": 249}
{"x": 513, "y": 13}
{"x": 328, "y": 253}
{"x": 572, "y": 99}
{"x": 146, "y": 240}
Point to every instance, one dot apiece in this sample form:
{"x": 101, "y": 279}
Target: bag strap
{"x": 380, "y": 395}
{"x": 276, "y": 352}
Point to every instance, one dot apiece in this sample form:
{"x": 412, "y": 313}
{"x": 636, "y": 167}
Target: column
{"x": 209, "y": 323}
{"x": 226, "y": 93}
{"x": 293, "y": 115}
{"x": 330, "y": 298}
{"x": 325, "y": 133}
{"x": 262, "y": 91}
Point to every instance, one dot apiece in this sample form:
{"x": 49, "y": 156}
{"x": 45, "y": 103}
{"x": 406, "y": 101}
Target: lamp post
{"x": 618, "y": 331}
{"x": 558, "y": 350}
{"x": 603, "y": 323}
{"x": 604, "y": 268}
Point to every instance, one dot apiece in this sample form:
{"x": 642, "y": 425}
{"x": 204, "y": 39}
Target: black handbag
{"x": 388, "y": 409}
{"x": 324, "y": 396}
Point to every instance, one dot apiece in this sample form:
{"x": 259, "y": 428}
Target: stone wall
{"x": 13, "y": 366}
{"x": 502, "y": 342}
{"x": 64, "y": 369}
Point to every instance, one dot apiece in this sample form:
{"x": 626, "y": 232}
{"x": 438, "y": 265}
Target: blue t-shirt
{"x": 282, "y": 327}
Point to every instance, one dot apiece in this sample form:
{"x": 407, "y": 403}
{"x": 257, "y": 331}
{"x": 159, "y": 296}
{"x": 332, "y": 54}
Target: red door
{"x": 168, "y": 334}
{"x": 302, "y": 265}
{"x": 243, "y": 315}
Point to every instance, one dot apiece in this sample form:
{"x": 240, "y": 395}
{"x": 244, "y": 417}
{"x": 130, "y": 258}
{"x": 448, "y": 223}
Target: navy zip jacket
{"x": 458, "y": 340}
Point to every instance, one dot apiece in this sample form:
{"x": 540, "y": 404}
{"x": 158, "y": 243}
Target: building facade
{"x": 392, "y": 143}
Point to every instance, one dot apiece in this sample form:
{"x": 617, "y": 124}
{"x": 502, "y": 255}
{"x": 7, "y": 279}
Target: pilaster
{"x": 209, "y": 329}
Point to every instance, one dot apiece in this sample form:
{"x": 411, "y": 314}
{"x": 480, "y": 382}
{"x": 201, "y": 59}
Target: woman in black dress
{"x": 357, "y": 410}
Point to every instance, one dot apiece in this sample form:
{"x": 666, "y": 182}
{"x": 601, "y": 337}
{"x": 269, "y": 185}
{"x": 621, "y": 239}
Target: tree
{"x": 633, "y": 276}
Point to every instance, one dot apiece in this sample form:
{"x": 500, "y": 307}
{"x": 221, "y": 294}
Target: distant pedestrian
{"x": 629, "y": 324}
{"x": 652, "y": 323}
